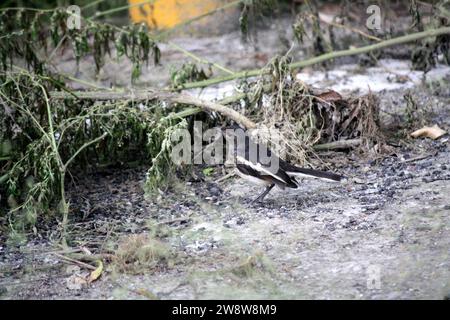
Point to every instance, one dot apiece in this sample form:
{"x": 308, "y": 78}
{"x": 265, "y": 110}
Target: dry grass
{"x": 137, "y": 254}
{"x": 254, "y": 264}
{"x": 295, "y": 117}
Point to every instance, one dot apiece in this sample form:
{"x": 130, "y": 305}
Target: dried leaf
{"x": 96, "y": 273}
{"x": 429, "y": 132}
{"x": 330, "y": 96}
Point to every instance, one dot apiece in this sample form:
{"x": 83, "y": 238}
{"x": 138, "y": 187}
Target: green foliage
{"x": 416, "y": 16}
{"x": 252, "y": 10}
{"x": 299, "y": 28}
{"x": 19, "y": 38}
{"x": 416, "y": 116}
{"x": 26, "y": 32}
{"x": 308, "y": 19}
{"x": 34, "y": 183}
{"x": 135, "y": 43}
{"x": 189, "y": 72}
{"x": 51, "y": 4}
{"x": 424, "y": 55}
{"x": 160, "y": 140}
{"x": 208, "y": 171}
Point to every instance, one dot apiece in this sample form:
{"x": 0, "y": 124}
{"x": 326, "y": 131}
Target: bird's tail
{"x": 296, "y": 171}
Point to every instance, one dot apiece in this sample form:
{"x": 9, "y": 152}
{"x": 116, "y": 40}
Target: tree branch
{"x": 341, "y": 144}
{"x": 172, "y": 97}
{"x": 324, "y": 57}
{"x": 189, "y": 100}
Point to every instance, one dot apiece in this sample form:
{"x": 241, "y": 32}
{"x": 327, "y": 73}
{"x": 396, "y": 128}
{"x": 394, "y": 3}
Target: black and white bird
{"x": 257, "y": 164}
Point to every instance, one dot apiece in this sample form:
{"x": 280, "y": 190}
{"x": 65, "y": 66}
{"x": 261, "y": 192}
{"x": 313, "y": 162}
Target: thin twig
{"x": 199, "y": 59}
{"x": 228, "y": 176}
{"x": 86, "y": 145}
{"x": 73, "y": 261}
{"x": 420, "y": 157}
{"x": 338, "y": 25}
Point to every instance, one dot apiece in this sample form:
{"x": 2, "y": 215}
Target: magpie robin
{"x": 257, "y": 164}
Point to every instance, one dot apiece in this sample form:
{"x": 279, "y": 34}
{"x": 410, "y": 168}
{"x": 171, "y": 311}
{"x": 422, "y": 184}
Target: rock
{"x": 76, "y": 282}
{"x": 72, "y": 269}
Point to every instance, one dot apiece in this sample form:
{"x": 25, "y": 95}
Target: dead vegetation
{"x": 139, "y": 254}
{"x": 253, "y": 265}
{"x": 302, "y": 117}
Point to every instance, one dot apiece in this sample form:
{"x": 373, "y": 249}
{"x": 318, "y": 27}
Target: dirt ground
{"x": 385, "y": 234}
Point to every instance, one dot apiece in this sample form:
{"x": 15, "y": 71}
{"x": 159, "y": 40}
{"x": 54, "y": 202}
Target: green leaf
{"x": 208, "y": 171}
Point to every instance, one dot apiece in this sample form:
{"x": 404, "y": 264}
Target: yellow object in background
{"x": 165, "y": 14}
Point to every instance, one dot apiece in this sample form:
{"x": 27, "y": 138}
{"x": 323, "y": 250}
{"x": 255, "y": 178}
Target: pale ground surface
{"x": 392, "y": 221}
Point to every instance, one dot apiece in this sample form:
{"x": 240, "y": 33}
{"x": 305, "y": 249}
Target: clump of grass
{"x": 416, "y": 116}
{"x": 158, "y": 230}
{"x": 294, "y": 117}
{"x": 252, "y": 265}
{"x": 363, "y": 120}
{"x": 137, "y": 254}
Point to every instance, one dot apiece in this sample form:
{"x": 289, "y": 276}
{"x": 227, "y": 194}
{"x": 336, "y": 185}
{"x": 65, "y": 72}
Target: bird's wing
{"x": 278, "y": 176}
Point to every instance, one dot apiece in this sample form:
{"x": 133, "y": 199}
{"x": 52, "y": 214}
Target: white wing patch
{"x": 259, "y": 168}
{"x": 251, "y": 179}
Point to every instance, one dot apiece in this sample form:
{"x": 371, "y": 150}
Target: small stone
{"x": 76, "y": 282}
{"x": 72, "y": 269}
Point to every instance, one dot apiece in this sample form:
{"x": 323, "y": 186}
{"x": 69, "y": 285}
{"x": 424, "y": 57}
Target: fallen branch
{"x": 231, "y": 174}
{"x": 92, "y": 257}
{"x": 172, "y": 221}
{"x": 342, "y": 144}
{"x": 171, "y": 97}
{"x": 418, "y": 158}
{"x": 76, "y": 262}
{"x": 324, "y": 57}
{"x": 182, "y": 98}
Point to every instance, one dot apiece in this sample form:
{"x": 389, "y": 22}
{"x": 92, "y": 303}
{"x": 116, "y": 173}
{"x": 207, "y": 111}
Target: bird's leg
{"x": 264, "y": 193}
